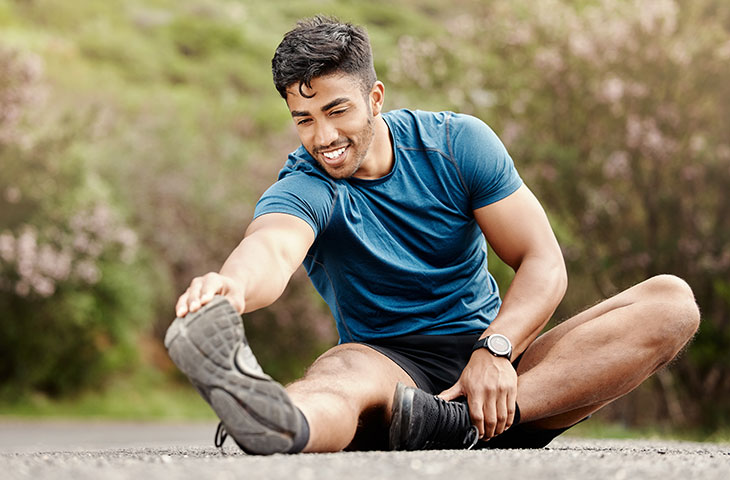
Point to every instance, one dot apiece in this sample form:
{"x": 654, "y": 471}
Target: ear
{"x": 377, "y": 97}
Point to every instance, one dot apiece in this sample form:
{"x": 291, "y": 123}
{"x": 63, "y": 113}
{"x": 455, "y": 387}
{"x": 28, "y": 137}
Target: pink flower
{"x": 27, "y": 249}
{"x": 549, "y": 59}
{"x": 7, "y": 247}
{"x": 612, "y": 89}
{"x": 22, "y": 288}
{"x": 88, "y": 272}
{"x": 12, "y": 194}
{"x": 616, "y": 165}
{"x": 582, "y": 46}
{"x": 658, "y": 16}
{"x": 43, "y": 286}
{"x": 54, "y": 264}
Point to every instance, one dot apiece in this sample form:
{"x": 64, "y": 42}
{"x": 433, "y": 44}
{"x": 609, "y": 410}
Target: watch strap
{"x": 484, "y": 343}
{"x": 481, "y": 343}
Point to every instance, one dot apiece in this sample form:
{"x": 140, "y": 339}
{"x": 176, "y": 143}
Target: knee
{"x": 338, "y": 378}
{"x": 680, "y": 314}
{"x": 339, "y": 362}
{"x": 341, "y": 371}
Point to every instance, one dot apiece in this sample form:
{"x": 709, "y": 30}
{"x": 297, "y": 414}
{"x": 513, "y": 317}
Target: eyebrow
{"x": 332, "y": 104}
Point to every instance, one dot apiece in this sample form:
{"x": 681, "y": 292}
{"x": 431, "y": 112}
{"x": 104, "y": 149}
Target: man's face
{"x": 336, "y": 125}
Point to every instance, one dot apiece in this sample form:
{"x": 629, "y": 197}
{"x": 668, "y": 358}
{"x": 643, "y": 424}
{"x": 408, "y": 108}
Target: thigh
{"x": 538, "y": 350}
{"x": 352, "y": 383}
{"x": 571, "y": 357}
{"x": 359, "y": 374}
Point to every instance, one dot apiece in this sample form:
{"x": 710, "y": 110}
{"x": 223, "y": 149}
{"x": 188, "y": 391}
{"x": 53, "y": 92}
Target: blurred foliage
{"x": 149, "y": 129}
{"x": 617, "y": 113}
{"x": 141, "y": 394}
{"x": 72, "y": 283}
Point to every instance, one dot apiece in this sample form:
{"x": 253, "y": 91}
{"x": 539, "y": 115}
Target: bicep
{"x": 516, "y": 227}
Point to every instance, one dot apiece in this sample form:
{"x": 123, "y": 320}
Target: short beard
{"x": 367, "y": 133}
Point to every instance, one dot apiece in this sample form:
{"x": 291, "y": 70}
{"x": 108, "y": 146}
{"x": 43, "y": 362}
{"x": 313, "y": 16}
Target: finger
{"x": 489, "y": 410}
{"x": 489, "y": 413}
{"x": 501, "y": 415}
{"x": 237, "y": 301}
{"x": 476, "y": 412}
{"x": 181, "y": 307}
{"x": 511, "y": 409}
{"x": 194, "y": 294}
{"x": 452, "y": 393}
{"x": 212, "y": 285}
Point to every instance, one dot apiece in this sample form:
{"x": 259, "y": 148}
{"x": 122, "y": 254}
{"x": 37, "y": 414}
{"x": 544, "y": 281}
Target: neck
{"x": 380, "y": 158}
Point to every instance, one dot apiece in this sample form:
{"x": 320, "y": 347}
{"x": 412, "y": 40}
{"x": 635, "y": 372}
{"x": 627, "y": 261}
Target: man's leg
{"x": 604, "y": 352}
{"x": 349, "y": 380}
{"x": 577, "y": 367}
{"x": 343, "y": 385}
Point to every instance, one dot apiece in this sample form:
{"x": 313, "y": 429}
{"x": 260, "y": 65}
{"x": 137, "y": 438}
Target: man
{"x": 389, "y": 213}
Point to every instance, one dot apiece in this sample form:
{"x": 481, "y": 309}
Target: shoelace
{"x": 453, "y": 428}
{"x": 220, "y": 436}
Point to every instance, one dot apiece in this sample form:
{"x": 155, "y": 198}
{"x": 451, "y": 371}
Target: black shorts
{"x": 435, "y": 362}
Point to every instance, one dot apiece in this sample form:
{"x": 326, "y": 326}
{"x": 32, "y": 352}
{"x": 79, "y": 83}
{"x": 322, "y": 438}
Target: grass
{"x": 597, "y": 427}
{"x": 147, "y": 395}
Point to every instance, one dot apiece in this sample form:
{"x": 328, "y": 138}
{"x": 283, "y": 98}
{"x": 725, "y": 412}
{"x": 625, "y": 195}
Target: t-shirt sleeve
{"x": 304, "y": 196}
{"x": 487, "y": 169}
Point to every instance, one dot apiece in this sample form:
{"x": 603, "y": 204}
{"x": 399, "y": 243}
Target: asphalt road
{"x": 72, "y": 450}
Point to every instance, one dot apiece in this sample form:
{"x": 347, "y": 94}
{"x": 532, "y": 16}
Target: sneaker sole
{"x": 400, "y": 423}
{"x": 255, "y": 410}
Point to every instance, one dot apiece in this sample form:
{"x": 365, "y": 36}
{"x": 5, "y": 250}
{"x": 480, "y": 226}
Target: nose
{"x": 325, "y": 134}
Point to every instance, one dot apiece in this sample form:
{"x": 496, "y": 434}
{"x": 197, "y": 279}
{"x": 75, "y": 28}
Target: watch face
{"x": 499, "y": 344}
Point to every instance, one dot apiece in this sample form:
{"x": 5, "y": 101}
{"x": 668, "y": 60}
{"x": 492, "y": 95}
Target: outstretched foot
{"x": 210, "y": 347}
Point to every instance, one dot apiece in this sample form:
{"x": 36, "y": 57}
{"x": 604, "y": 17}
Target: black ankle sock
{"x": 302, "y": 436}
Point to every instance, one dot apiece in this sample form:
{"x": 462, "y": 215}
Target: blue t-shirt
{"x": 402, "y": 254}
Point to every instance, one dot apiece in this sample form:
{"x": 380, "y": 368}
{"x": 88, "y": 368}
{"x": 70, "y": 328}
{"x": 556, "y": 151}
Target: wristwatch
{"x": 497, "y": 344}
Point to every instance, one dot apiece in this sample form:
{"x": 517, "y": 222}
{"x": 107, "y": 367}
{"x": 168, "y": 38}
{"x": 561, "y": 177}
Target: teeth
{"x": 334, "y": 154}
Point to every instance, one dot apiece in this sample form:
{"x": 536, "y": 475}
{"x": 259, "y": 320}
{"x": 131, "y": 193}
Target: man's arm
{"x": 519, "y": 232}
{"x": 259, "y": 268}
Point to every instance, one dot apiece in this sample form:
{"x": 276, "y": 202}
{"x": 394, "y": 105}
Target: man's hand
{"x": 203, "y": 289}
{"x": 490, "y": 386}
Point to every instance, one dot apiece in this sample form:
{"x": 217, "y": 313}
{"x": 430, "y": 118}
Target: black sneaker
{"x": 422, "y": 421}
{"x": 209, "y": 346}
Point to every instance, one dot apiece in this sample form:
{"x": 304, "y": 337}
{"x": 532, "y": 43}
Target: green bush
{"x": 201, "y": 37}
{"x": 617, "y": 114}
{"x": 73, "y": 288}
{"x": 160, "y": 122}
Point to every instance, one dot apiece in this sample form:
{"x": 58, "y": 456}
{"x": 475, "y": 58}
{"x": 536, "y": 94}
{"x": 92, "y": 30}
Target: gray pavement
{"x": 89, "y": 450}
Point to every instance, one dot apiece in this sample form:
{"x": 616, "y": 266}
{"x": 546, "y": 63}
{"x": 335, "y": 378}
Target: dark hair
{"x": 321, "y": 46}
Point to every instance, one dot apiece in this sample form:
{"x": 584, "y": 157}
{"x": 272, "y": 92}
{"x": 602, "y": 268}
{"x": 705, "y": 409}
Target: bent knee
{"x": 341, "y": 362}
{"x": 347, "y": 372}
{"x": 681, "y": 315}
{"x": 669, "y": 287}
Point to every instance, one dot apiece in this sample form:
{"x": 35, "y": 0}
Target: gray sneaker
{"x": 209, "y": 346}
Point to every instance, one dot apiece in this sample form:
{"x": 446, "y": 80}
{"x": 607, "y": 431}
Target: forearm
{"x": 260, "y": 273}
{"x": 535, "y": 292}
{"x": 519, "y": 232}
{"x": 257, "y": 271}
{"x": 490, "y": 382}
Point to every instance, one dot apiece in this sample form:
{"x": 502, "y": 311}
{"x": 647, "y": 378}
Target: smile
{"x": 334, "y": 154}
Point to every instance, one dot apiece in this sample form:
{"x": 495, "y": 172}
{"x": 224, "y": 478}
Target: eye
{"x": 338, "y": 112}
{"x": 304, "y": 121}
